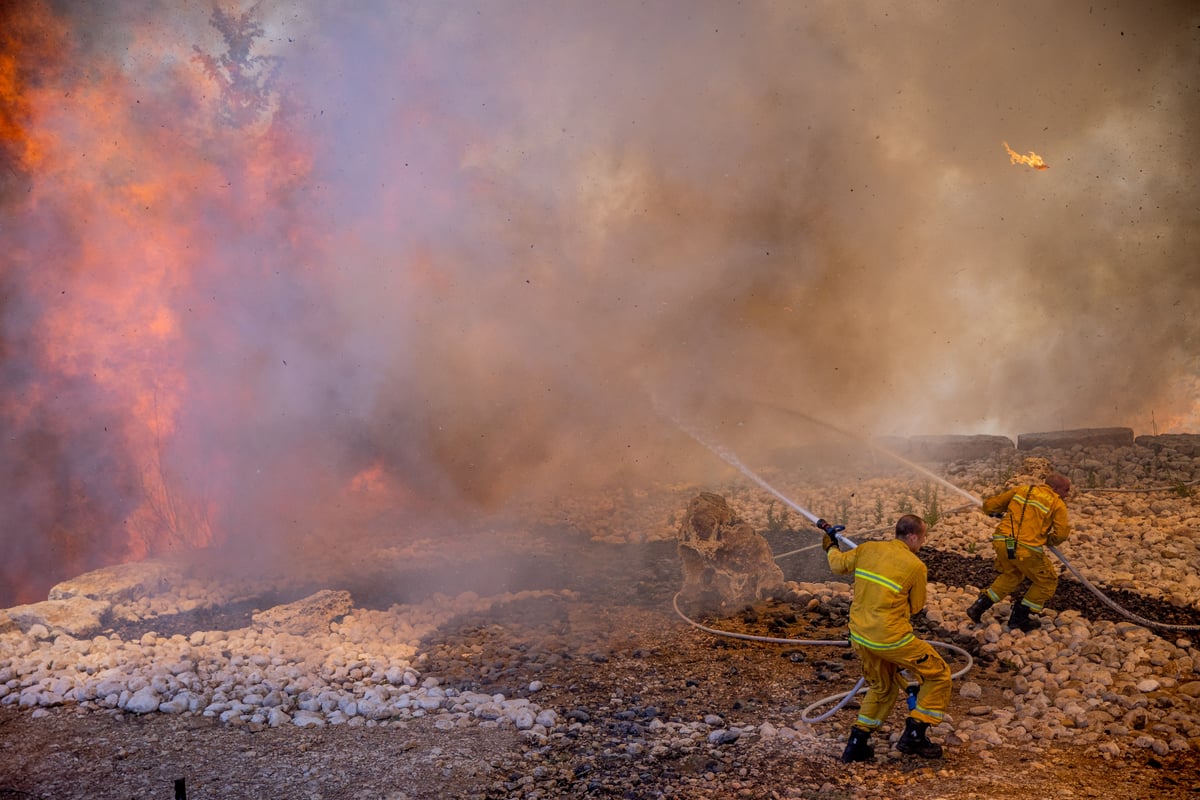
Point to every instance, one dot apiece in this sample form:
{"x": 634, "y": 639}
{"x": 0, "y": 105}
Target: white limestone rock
{"x": 311, "y": 615}
{"x": 77, "y": 616}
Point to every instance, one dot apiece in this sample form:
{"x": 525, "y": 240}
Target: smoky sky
{"x": 256, "y": 249}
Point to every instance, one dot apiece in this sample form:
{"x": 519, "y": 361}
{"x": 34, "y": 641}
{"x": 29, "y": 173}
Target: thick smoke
{"x": 255, "y": 250}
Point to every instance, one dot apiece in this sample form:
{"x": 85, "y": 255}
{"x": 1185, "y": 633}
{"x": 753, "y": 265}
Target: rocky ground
{"x": 567, "y": 672}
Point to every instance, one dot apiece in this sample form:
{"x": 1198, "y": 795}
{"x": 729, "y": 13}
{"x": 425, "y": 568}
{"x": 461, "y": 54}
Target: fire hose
{"x": 839, "y": 699}
{"x": 974, "y": 502}
{"x": 835, "y": 531}
{"x": 1113, "y": 605}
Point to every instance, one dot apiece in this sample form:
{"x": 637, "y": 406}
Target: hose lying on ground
{"x": 977, "y": 502}
{"x": 840, "y": 699}
{"x": 1147, "y": 623}
{"x": 1105, "y": 598}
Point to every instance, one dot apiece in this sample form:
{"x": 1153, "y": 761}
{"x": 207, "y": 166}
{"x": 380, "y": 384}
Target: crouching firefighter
{"x": 889, "y": 587}
{"x": 1031, "y": 517}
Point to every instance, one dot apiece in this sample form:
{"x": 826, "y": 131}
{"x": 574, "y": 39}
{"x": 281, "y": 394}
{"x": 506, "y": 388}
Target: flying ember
{"x": 1033, "y": 159}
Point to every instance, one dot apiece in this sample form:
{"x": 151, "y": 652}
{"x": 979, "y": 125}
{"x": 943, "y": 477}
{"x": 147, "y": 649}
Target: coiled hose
{"x": 841, "y": 700}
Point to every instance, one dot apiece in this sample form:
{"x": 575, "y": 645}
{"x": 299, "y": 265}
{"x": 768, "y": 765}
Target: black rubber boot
{"x": 1021, "y": 620}
{"x": 975, "y": 612}
{"x": 857, "y": 748}
{"x": 915, "y": 742}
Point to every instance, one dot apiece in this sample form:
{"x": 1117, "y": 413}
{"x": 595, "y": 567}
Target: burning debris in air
{"x": 1031, "y": 160}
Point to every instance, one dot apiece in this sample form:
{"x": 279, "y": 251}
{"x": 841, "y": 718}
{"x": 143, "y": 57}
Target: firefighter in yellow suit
{"x": 1031, "y": 517}
{"x": 889, "y": 587}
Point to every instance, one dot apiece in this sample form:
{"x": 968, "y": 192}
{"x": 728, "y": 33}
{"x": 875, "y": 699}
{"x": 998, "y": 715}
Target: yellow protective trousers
{"x": 881, "y": 668}
{"x": 1029, "y": 563}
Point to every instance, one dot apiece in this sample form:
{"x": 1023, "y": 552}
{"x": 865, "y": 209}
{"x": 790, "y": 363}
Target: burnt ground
{"x": 955, "y": 570}
{"x": 646, "y": 575}
{"x": 614, "y": 660}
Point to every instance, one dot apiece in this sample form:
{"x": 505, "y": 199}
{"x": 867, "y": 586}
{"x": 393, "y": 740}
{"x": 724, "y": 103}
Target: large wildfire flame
{"x": 1031, "y": 160}
{"x": 134, "y": 205}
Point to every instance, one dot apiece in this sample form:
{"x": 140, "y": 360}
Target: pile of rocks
{"x": 312, "y": 662}
{"x": 1113, "y": 685}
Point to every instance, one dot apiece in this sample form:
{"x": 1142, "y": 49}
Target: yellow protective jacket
{"x": 889, "y": 587}
{"x": 1035, "y": 516}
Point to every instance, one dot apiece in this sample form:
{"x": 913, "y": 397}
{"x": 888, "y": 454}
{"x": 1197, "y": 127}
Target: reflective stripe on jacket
{"x": 889, "y": 587}
{"x": 1044, "y": 520}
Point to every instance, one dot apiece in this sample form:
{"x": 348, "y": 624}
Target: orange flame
{"x": 28, "y": 38}
{"x": 1032, "y": 160}
{"x": 128, "y": 169}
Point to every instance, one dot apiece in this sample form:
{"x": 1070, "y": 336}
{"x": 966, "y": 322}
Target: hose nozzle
{"x": 832, "y": 530}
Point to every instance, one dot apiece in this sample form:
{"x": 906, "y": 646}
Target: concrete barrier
{"x": 1084, "y": 437}
{"x": 948, "y": 447}
{"x": 1185, "y": 444}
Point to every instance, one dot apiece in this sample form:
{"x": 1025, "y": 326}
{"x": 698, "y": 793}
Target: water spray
{"x": 881, "y": 450}
{"x": 975, "y": 501}
{"x": 732, "y": 460}
{"x": 835, "y": 532}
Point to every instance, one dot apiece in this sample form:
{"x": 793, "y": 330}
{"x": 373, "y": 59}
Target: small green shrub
{"x": 933, "y": 511}
{"x": 776, "y": 522}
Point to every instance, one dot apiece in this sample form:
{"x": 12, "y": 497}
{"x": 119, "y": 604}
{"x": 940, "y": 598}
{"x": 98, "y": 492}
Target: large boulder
{"x": 726, "y": 563}
{"x": 310, "y": 615}
{"x": 78, "y": 616}
{"x": 122, "y": 582}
